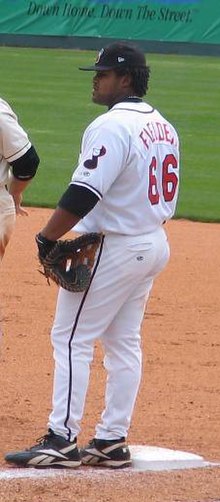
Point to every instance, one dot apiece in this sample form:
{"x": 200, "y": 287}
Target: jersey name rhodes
{"x": 156, "y": 132}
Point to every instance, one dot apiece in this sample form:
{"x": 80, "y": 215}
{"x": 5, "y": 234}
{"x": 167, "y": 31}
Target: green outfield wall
{"x": 156, "y": 21}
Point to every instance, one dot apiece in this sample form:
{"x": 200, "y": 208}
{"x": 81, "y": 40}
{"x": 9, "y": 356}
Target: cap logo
{"x": 99, "y": 56}
{"x": 120, "y": 59}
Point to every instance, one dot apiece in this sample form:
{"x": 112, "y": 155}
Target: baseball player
{"x": 18, "y": 165}
{"x": 125, "y": 186}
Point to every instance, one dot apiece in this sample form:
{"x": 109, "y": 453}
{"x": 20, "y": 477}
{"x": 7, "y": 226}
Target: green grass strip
{"x": 53, "y": 101}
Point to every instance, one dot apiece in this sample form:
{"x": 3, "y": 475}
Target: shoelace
{"x": 41, "y": 441}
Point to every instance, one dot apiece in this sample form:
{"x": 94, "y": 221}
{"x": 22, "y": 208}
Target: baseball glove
{"x": 69, "y": 263}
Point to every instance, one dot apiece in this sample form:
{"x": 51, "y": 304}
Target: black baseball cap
{"x": 118, "y": 55}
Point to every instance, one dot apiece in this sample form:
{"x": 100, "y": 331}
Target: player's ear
{"x": 126, "y": 81}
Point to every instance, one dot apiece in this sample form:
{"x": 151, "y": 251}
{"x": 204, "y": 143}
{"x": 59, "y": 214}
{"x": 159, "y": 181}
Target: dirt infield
{"x": 179, "y": 400}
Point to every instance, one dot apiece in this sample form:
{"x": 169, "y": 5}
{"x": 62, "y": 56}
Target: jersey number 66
{"x": 169, "y": 179}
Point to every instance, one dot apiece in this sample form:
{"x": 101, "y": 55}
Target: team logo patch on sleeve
{"x": 93, "y": 162}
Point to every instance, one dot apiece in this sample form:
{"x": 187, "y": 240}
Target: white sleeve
{"x": 105, "y": 148}
{"x": 14, "y": 141}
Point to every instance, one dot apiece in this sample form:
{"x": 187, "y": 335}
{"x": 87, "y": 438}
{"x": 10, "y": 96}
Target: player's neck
{"x": 130, "y": 99}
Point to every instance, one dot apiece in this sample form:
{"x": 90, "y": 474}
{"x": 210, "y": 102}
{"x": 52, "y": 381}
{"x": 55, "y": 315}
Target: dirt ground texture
{"x": 178, "y": 405}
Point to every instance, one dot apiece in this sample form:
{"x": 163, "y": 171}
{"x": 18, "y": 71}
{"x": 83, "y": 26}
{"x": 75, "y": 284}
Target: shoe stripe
{"x": 69, "y": 448}
{"x": 105, "y": 451}
{"x": 52, "y": 453}
{"x": 93, "y": 452}
{"x": 113, "y": 447}
{"x": 45, "y": 461}
{"x": 88, "y": 460}
{"x": 107, "y": 463}
{"x": 41, "y": 459}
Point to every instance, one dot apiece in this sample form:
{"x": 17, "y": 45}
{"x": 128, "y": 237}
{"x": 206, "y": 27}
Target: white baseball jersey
{"x": 130, "y": 160}
{"x": 14, "y": 142}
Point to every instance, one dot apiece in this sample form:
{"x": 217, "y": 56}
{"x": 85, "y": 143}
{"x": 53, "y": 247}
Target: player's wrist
{"x": 44, "y": 245}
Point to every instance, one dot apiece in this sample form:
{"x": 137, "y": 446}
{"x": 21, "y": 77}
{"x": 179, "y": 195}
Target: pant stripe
{"x": 72, "y": 336}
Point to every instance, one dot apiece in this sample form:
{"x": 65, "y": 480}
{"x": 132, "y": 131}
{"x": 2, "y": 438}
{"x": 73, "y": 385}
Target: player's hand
{"x": 18, "y": 208}
{"x": 21, "y": 211}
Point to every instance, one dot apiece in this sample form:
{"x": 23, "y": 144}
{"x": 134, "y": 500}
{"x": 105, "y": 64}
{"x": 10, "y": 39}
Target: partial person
{"x": 125, "y": 186}
{"x": 18, "y": 164}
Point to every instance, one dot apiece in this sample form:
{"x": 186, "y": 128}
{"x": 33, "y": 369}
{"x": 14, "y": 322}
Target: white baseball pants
{"x": 112, "y": 311}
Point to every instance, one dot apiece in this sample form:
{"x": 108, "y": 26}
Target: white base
{"x": 153, "y": 458}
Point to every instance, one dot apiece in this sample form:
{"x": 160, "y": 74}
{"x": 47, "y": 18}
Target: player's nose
{"x": 96, "y": 76}
{"x": 94, "y": 81}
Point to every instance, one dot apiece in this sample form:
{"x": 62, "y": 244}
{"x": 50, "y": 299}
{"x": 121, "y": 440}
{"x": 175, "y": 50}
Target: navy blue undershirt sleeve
{"x": 26, "y": 166}
{"x": 78, "y": 200}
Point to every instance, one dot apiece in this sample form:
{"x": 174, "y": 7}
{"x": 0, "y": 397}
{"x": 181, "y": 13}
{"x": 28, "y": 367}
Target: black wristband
{"x": 44, "y": 245}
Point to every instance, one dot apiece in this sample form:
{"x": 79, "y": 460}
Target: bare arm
{"x": 59, "y": 224}
{"x": 15, "y": 188}
{"x": 74, "y": 204}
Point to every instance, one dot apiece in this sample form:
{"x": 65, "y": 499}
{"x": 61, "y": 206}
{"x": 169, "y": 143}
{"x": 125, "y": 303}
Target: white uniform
{"x": 130, "y": 160}
{"x": 14, "y": 143}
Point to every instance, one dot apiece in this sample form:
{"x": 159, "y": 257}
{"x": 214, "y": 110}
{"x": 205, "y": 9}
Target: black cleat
{"x": 51, "y": 451}
{"x": 108, "y": 453}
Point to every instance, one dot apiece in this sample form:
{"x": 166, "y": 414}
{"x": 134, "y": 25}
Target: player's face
{"x": 108, "y": 87}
